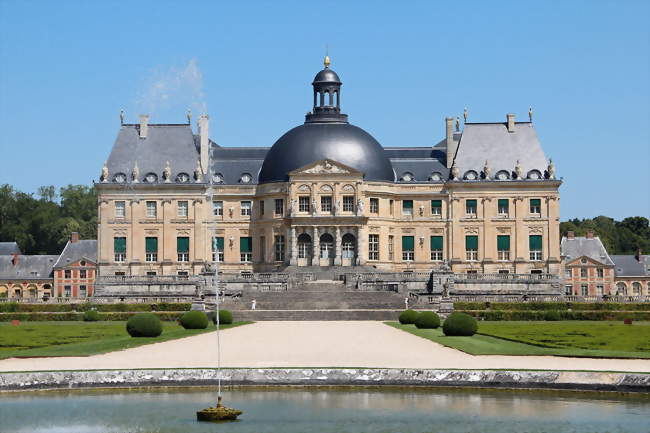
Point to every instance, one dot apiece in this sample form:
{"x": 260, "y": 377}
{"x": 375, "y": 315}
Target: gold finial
{"x": 326, "y": 62}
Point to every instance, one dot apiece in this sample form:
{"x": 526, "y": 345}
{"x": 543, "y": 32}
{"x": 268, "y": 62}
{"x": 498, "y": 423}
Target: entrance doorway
{"x": 348, "y": 254}
{"x": 304, "y": 249}
{"x": 327, "y": 252}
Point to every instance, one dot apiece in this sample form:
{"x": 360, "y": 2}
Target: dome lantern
{"x": 327, "y": 97}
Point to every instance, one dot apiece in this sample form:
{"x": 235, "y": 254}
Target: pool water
{"x": 325, "y": 410}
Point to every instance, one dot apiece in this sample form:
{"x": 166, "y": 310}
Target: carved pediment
{"x": 326, "y": 166}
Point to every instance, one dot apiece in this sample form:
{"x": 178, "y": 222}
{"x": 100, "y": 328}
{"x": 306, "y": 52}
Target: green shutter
{"x": 217, "y": 244}
{"x": 535, "y": 242}
{"x": 151, "y": 245}
{"x": 246, "y": 245}
{"x": 408, "y": 243}
{"x": 503, "y": 203}
{"x": 503, "y": 243}
{"x": 535, "y": 202}
{"x": 119, "y": 245}
{"x": 471, "y": 242}
{"x": 436, "y": 242}
{"x": 407, "y": 204}
{"x": 470, "y": 204}
{"x": 183, "y": 245}
{"x": 436, "y": 203}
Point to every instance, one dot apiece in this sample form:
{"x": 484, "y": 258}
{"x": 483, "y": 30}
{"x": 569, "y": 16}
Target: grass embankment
{"x": 569, "y": 338}
{"x": 37, "y": 339}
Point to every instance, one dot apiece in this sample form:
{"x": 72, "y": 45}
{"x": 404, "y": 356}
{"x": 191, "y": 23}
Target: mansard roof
{"x": 629, "y": 266}
{"x": 7, "y": 248}
{"x": 75, "y": 251}
{"x": 38, "y": 267}
{"x": 592, "y": 248}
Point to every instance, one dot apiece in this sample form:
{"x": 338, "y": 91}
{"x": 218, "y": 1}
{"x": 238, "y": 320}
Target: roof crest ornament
{"x": 465, "y": 114}
{"x": 457, "y": 124}
{"x": 530, "y": 114}
{"x": 167, "y": 173}
{"x": 454, "y": 171}
{"x": 198, "y": 176}
{"x": 121, "y": 117}
{"x": 104, "y": 177}
{"x": 487, "y": 171}
{"x": 519, "y": 170}
{"x": 326, "y": 61}
{"x": 189, "y": 116}
{"x": 551, "y": 169}
{"x": 135, "y": 174}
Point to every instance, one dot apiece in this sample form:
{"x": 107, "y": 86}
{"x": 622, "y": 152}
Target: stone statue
{"x": 314, "y": 207}
{"x": 189, "y": 116}
{"x": 135, "y": 174}
{"x": 454, "y": 172}
{"x": 487, "y": 171}
{"x": 292, "y": 206}
{"x": 360, "y": 207}
{"x": 167, "y": 173}
{"x": 445, "y": 289}
{"x": 121, "y": 117}
{"x": 530, "y": 113}
{"x": 551, "y": 169}
{"x": 198, "y": 175}
{"x": 457, "y": 124}
{"x": 465, "y": 114}
{"x": 104, "y": 173}
{"x": 519, "y": 171}
{"x": 337, "y": 207}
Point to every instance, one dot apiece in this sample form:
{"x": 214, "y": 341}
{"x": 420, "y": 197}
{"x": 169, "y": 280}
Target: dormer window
{"x": 245, "y": 178}
{"x": 119, "y": 178}
{"x": 435, "y": 177}
{"x": 183, "y": 178}
{"x": 408, "y": 177}
{"x": 151, "y": 178}
{"x": 534, "y": 174}
{"x": 471, "y": 175}
{"x": 502, "y": 175}
{"x": 217, "y": 178}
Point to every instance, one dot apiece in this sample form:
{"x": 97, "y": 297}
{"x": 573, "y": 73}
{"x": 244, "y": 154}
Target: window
{"x": 279, "y": 248}
{"x": 217, "y": 249}
{"x": 568, "y": 273}
{"x": 183, "y": 273}
{"x": 261, "y": 207}
{"x": 67, "y": 291}
{"x": 583, "y": 272}
{"x": 535, "y": 247}
{"x": 373, "y": 243}
{"x": 436, "y": 207}
{"x": 391, "y": 204}
{"x": 182, "y": 209}
{"x": 82, "y": 291}
{"x": 584, "y": 290}
{"x": 279, "y": 206}
{"x": 348, "y": 203}
{"x": 471, "y": 248}
{"x": 599, "y": 272}
{"x": 217, "y": 208}
{"x": 245, "y": 208}
{"x": 470, "y": 207}
{"x": 568, "y": 289}
{"x": 151, "y": 273}
{"x": 303, "y": 203}
{"x": 151, "y": 209}
{"x": 304, "y": 246}
{"x": 326, "y": 204}
{"x": 407, "y": 207}
{"x": 151, "y": 249}
{"x": 599, "y": 290}
{"x": 183, "y": 249}
{"x": 83, "y": 273}
{"x": 67, "y": 273}
{"x": 374, "y": 205}
{"x": 503, "y": 207}
{"x": 347, "y": 246}
{"x": 636, "y": 288}
{"x": 120, "y": 274}
{"x": 535, "y": 206}
{"x": 504, "y": 271}
{"x": 436, "y": 248}
{"x": 536, "y": 272}
{"x": 120, "y": 209}
{"x": 503, "y": 247}
{"x": 391, "y": 254}
{"x": 245, "y": 249}
{"x": 408, "y": 248}
{"x": 263, "y": 249}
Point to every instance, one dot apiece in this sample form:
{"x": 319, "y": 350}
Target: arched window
{"x": 151, "y": 178}
{"x": 408, "y": 177}
{"x": 326, "y": 246}
{"x": 471, "y": 175}
{"x": 435, "y": 177}
{"x": 621, "y": 288}
{"x": 304, "y": 246}
{"x": 636, "y": 288}
{"x": 534, "y": 174}
{"x": 348, "y": 246}
{"x": 119, "y": 178}
{"x": 502, "y": 175}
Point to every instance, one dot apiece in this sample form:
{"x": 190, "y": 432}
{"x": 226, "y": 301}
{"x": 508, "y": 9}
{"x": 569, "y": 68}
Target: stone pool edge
{"x": 571, "y": 380}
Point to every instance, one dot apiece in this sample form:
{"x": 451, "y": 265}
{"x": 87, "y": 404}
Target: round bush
{"x": 460, "y": 324}
{"x": 91, "y": 316}
{"x": 194, "y": 320}
{"x": 144, "y": 325}
{"x": 427, "y": 320}
{"x": 552, "y": 316}
{"x": 225, "y": 317}
{"x": 408, "y": 317}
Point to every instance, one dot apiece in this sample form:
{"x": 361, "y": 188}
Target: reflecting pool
{"x": 324, "y": 410}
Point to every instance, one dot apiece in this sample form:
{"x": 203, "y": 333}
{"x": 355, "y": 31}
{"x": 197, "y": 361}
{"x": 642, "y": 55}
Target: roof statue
{"x": 518, "y": 170}
{"x": 135, "y": 174}
{"x": 551, "y": 169}
{"x": 487, "y": 171}
{"x": 530, "y": 113}
{"x": 189, "y": 116}
{"x": 457, "y": 124}
{"x": 465, "y": 115}
{"x": 198, "y": 175}
{"x": 167, "y": 172}
{"x": 121, "y": 117}
{"x": 104, "y": 177}
{"x": 454, "y": 172}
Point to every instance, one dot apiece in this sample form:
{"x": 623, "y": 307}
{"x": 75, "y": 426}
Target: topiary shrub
{"x": 194, "y": 320}
{"x": 460, "y": 324}
{"x": 144, "y": 325}
{"x": 552, "y": 316}
{"x": 225, "y": 317}
{"x": 427, "y": 320}
{"x": 92, "y": 316}
{"x": 408, "y": 317}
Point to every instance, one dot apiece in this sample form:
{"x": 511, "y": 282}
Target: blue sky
{"x": 68, "y": 67}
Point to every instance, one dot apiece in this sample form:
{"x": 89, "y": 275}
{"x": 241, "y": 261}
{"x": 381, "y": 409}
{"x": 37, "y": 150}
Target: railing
{"x": 147, "y": 279}
{"x": 505, "y": 277}
{"x": 253, "y": 277}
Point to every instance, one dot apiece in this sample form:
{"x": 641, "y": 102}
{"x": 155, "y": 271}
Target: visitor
{"x": 253, "y": 303}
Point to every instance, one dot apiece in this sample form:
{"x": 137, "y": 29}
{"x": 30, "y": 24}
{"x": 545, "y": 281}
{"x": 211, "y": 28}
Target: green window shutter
{"x": 151, "y": 245}
{"x": 217, "y": 244}
{"x": 436, "y": 242}
{"x": 503, "y": 203}
{"x": 246, "y": 245}
{"x": 408, "y": 243}
{"x": 535, "y": 202}
{"x": 436, "y": 203}
{"x": 119, "y": 245}
{"x": 407, "y": 204}
{"x": 183, "y": 245}
{"x": 535, "y": 242}
{"x": 503, "y": 243}
{"x": 470, "y": 204}
{"x": 471, "y": 242}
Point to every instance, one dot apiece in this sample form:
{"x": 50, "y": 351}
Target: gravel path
{"x": 313, "y": 344}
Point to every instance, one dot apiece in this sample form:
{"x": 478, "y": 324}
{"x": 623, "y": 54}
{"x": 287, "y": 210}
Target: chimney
{"x": 14, "y": 259}
{"x": 637, "y": 256}
{"x": 590, "y": 234}
{"x": 74, "y": 237}
{"x": 570, "y": 235}
{"x": 144, "y": 125}
{"x": 451, "y": 144}
{"x": 511, "y": 122}
{"x": 204, "y": 141}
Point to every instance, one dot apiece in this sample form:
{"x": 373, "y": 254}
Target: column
{"x": 337, "y": 240}
{"x": 292, "y": 243}
{"x": 361, "y": 246}
{"x": 315, "y": 261}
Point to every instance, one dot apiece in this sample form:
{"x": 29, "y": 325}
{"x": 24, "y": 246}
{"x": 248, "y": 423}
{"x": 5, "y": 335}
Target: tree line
{"x": 41, "y": 223}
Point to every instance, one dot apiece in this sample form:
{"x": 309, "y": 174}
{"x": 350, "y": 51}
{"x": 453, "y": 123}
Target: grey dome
{"x": 327, "y": 76}
{"x": 311, "y": 142}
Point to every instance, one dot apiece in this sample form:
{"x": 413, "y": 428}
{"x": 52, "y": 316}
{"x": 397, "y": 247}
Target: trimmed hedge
{"x": 71, "y": 316}
{"x": 144, "y": 325}
{"x": 225, "y": 317}
{"x": 552, "y": 316}
{"x": 556, "y": 306}
{"x": 408, "y": 317}
{"x": 459, "y": 324}
{"x": 91, "y": 316}
{"x": 427, "y": 320}
{"x": 564, "y": 315}
{"x": 194, "y": 320}
{"x": 14, "y": 307}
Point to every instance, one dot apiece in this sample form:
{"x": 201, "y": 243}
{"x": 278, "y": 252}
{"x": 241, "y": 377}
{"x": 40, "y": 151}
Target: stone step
{"x": 306, "y": 315}
{"x": 303, "y": 300}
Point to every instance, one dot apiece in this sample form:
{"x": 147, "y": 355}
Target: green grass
{"x": 36, "y": 339}
{"x": 569, "y": 338}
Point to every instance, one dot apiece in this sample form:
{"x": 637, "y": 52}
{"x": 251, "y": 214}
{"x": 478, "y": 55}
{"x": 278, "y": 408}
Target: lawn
{"x": 566, "y": 338}
{"x": 35, "y": 339}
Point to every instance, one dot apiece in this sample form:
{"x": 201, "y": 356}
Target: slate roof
{"x": 629, "y": 266}
{"x": 74, "y": 251}
{"x": 232, "y": 162}
{"x": 492, "y": 142}
{"x": 28, "y": 267}
{"x": 588, "y": 247}
{"x": 7, "y": 248}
